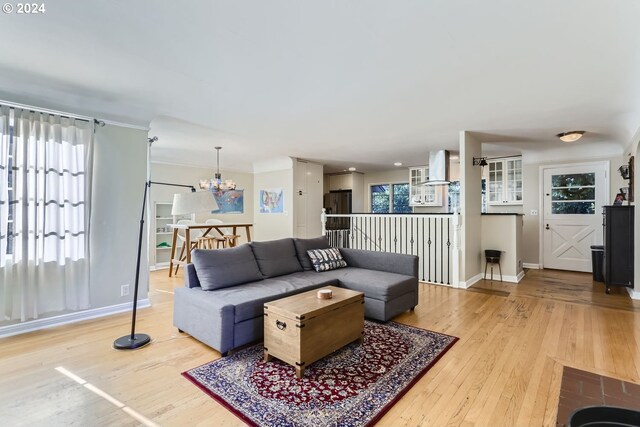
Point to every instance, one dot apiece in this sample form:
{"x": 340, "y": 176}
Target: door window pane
{"x": 573, "y": 180}
{"x": 588, "y": 193}
{"x": 573, "y": 194}
{"x": 573, "y": 208}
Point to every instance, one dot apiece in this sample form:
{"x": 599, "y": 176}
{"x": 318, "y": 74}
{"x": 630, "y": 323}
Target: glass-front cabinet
{"x": 505, "y": 181}
{"x": 421, "y": 194}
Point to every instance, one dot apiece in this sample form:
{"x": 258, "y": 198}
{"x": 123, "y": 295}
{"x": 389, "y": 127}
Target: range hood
{"x": 438, "y": 168}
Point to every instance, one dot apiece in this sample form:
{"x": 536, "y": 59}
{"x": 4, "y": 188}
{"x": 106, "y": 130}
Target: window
{"x": 11, "y": 192}
{"x": 390, "y": 198}
{"x": 573, "y": 194}
{"x": 43, "y": 187}
{"x": 44, "y": 169}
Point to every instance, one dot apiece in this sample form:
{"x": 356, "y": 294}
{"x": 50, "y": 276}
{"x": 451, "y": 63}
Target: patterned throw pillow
{"x": 326, "y": 259}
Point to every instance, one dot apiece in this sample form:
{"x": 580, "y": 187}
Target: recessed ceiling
{"x": 357, "y": 83}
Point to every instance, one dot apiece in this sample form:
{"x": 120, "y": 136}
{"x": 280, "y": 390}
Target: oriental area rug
{"x": 354, "y": 386}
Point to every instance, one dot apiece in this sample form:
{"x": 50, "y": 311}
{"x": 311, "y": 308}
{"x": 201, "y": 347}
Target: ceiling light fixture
{"x": 352, "y": 169}
{"x": 397, "y": 164}
{"x": 217, "y": 184}
{"x": 571, "y": 136}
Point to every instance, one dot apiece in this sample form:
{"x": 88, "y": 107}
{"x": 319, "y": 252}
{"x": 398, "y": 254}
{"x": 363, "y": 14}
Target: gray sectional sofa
{"x": 222, "y": 302}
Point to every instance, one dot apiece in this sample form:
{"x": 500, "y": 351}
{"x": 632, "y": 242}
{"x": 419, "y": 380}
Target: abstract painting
{"x": 271, "y": 201}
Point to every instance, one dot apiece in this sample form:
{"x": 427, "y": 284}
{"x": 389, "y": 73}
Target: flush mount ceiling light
{"x": 571, "y": 136}
{"x": 397, "y": 164}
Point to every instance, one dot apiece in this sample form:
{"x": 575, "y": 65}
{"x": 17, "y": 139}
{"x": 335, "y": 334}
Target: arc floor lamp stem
{"x": 134, "y": 341}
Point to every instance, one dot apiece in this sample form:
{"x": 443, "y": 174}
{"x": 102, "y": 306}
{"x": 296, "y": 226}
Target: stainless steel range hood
{"x": 438, "y": 168}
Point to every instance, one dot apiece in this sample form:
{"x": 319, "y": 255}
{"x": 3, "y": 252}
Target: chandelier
{"x": 217, "y": 184}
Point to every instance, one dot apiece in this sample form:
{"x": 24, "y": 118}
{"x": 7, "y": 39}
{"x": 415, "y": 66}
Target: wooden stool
{"x": 209, "y": 242}
{"x": 492, "y": 256}
{"x": 205, "y": 243}
{"x": 231, "y": 240}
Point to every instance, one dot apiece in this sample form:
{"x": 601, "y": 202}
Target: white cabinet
{"x": 421, "y": 194}
{"x": 505, "y": 181}
{"x": 161, "y": 239}
{"x": 343, "y": 181}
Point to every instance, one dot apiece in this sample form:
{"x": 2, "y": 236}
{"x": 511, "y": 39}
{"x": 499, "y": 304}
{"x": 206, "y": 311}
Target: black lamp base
{"x": 126, "y": 343}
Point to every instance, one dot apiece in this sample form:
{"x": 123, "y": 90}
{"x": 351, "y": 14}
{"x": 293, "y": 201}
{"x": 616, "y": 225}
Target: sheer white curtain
{"x": 45, "y": 171}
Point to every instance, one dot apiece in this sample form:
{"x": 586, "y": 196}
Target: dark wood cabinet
{"x": 618, "y": 246}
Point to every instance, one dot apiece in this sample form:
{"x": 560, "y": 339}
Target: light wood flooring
{"x": 504, "y": 371}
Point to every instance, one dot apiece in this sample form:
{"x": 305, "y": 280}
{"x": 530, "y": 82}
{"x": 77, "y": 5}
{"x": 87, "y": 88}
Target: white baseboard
{"x": 512, "y": 279}
{"x": 471, "y": 281}
{"x": 162, "y": 266}
{"x": 79, "y": 316}
{"x": 531, "y": 266}
{"x": 633, "y": 293}
{"x": 496, "y": 277}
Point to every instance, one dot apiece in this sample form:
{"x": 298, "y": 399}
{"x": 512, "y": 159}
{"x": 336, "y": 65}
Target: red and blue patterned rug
{"x": 354, "y": 386}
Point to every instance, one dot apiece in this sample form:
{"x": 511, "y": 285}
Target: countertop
{"x": 504, "y": 213}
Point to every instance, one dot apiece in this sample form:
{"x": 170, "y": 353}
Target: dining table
{"x": 207, "y": 228}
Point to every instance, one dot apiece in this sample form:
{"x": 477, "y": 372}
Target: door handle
{"x": 547, "y": 227}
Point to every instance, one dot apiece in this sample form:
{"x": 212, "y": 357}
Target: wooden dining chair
{"x": 194, "y": 236}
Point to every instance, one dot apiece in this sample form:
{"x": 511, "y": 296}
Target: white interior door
{"x": 573, "y": 197}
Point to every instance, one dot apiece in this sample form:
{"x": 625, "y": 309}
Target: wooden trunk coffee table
{"x": 302, "y": 328}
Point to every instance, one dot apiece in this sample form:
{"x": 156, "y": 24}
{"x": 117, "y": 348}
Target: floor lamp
{"x": 189, "y": 203}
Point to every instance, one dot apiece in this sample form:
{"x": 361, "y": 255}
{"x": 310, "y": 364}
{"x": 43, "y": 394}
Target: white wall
{"x": 470, "y": 208}
{"x": 119, "y": 174}
{"x": 634, "y": 150}
{"x": 358, "y": 194}
{"x": 274, "y": 226}
{"x": 531, "y": 200}
{"x": 504, "y": 233}
{"x": 308, "y": 198}
{"x": 636, "y": 180}
{"x": 191, "y": 175}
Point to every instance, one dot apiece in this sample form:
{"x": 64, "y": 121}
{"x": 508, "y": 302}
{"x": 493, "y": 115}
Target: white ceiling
{"x": 363, "y": 83}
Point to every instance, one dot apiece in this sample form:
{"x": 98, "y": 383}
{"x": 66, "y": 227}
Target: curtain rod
{"x": 33, "y": 109}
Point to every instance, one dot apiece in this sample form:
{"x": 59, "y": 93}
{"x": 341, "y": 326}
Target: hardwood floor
{"x": 504, "y": 371}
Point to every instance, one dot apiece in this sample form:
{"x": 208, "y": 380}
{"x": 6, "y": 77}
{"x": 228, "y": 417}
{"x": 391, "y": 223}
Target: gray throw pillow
{"x": 222, "y": 268}
{"x": 326, "y": 259}
{"x": 304, "y": 245}
{"x": 276, "y": 257}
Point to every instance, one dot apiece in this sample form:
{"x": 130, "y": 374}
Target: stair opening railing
{"x": 432, "y": 237}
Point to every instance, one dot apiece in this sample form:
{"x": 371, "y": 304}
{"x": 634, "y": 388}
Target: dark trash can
{"x": 604, "y": 416}
{"x": 597, "y": 262}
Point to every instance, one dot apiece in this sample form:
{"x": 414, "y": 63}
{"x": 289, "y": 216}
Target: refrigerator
{"x": 338, "y": 202}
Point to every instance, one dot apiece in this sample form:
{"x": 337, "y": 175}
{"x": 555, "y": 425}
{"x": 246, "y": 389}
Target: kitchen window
{"x": 390, "y": 198}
